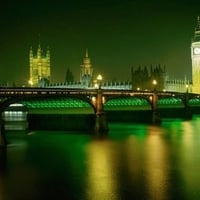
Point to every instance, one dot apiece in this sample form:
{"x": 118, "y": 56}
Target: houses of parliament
{"x": 39, "y": 67}
{"x": 40, "y": 73}
{"x": 141, "y": 78}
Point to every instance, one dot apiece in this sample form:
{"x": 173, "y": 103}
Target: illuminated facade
{"x": 86, "y": 73}
{"x": 195, "y": 55}
{"x": 39, "y": 67}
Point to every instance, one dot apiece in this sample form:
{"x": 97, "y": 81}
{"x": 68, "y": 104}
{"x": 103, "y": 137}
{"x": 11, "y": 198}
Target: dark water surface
{"x": 135, "y": 161}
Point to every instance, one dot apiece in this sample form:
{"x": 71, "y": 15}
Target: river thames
{"x": 135, "y": 161}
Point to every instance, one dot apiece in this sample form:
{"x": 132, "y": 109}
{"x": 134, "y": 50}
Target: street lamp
{"x": 187, "y": 86}
{"x": 99, "y": 79}
{"x": 154, "y": 84}
{"x": 30, "y": 82}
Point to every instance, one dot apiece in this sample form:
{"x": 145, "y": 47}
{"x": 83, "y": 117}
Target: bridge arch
{"x": 194, "y": 101}
{"x": 44, "y": 113}
{"x": 170, "y": 102}
{"x": 62, "y": 101}
{"x": 127, "y": 102}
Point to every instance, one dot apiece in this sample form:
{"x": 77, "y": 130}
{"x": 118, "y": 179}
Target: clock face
{"x": 196, "y": 50}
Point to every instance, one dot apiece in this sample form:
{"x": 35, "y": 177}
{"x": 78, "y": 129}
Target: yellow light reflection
{"x": 189, "y": 156}
{"x": 102, "y": 181}
{"x": 156, "y": 167}
{"x": 188, "y": 130}
{"x": 134, "y": 153}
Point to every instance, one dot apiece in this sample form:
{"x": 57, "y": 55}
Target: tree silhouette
{"x": 69, "y": 77}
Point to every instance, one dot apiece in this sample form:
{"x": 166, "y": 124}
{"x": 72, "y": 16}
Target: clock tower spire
{"x": 197, "y": 31}
{"x": 195, "y": 55}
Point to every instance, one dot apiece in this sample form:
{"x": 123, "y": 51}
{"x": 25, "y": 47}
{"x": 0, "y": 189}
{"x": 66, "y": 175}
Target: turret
{"x": 86, "y": 53}
{"x": 48, "y": 53}
{"x": 31, "y": 53}
{"x": 86, "y": 70}
{"x": 86, "y": 60}
{"x": 39, "y": 51}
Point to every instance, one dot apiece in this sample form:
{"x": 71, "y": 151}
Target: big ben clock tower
{"x": 195, "y": 55}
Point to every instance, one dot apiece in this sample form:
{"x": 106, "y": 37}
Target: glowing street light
{"x": 187, "y": 86}
{"x": 154, "y": 84}
{"x": 96, "y": 85}
{"x": 99, "y": 79}
{"x": 30, "y": 82}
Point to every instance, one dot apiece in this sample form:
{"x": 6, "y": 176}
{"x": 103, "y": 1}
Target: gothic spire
{"x": 197, "y": 31}
{"x": 31, "y": 52}
{"x": 39, "y": 51}
{"x": 48, "y": 52}
{"x": 86, "y": 53}
{"x": 86, "y": 60}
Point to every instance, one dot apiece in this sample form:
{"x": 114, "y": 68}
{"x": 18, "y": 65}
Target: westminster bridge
{"x": 99, "y": 100}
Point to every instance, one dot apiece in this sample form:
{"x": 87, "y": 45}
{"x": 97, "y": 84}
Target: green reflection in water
{"x": 135, "y": 161}
{"x": 124, "y": 130}
{"x": 53, "y": 165}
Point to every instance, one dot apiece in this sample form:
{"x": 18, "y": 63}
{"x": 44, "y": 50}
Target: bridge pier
{"x": 101, "y": 124}
{"x": 3, "y": 141}
{"x": 188, "y": 113}
{"x": 156, "y": 119}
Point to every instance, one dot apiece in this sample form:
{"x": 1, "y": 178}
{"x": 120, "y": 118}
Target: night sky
{"x": 118, "y": 34}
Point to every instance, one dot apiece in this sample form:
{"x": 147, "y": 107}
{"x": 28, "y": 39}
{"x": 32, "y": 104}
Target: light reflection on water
{"x": 156, "y": 165}
{"x": 135, "y": 161}
{"x": 102, "y": 170}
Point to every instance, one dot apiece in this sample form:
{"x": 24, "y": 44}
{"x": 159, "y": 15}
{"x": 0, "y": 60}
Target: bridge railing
{"x": 19, "y": 91}
{"x": 42, "y": 91}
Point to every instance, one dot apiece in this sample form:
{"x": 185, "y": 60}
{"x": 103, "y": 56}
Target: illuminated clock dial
{"x": 196, "y": 50}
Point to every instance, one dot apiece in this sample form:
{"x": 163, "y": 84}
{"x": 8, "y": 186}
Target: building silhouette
{"x": 39, "y": 67}
{"x": 142, "y": 77}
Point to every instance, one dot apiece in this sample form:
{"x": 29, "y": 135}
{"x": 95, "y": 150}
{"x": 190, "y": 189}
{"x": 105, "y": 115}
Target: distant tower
{"x": 39, "y": 67}
{"x": 86, "y": 70}
{"x": 195, "y": 55}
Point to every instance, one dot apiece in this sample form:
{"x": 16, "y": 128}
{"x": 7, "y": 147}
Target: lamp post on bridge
{"x": 188, "y": 114}
{"x": 30, "y": 82}
{"x": 187, "y": 87}
{"x": 155, "y": 112}
{"x": 99, "y": 103}
{"x": 154, "y": 85}
{"x": 99, "y": 81}
{"x": 101, "y": 126}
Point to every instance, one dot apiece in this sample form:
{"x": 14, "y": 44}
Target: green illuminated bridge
{"x": 41, "y": 98}
{"x": 99, "y": 102}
